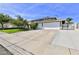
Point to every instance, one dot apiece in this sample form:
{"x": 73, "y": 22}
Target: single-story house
{"x": 53, "y": 23}
{"x": 48, "y": 23}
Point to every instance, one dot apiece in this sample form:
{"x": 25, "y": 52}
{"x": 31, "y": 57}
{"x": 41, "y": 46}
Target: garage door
{"x": 54, "y": 25}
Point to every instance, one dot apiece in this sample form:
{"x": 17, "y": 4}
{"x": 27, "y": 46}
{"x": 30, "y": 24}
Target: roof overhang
{"x": 47, "y": 21}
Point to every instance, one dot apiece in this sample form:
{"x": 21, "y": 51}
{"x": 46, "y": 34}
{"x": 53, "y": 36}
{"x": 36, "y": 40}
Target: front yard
{"x": 11, "y": 30}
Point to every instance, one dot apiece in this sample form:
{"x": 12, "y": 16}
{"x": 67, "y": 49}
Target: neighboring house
{"x": 9, "y": 25}
{"x": 48, "y": 23}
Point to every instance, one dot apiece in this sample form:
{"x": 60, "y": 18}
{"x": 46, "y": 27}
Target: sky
{"x": 31, "y": 11}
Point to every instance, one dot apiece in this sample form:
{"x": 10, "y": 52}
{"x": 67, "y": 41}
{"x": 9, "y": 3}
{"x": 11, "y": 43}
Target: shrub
{"x": 33, "y": 26}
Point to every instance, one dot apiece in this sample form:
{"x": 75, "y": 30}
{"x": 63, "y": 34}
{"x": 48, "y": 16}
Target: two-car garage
{"x": 52, "y": 25}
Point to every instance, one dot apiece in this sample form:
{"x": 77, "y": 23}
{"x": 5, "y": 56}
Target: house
{"x": 48, "y": 23}
{"x": 8, "y": 25}
{"x": 53, "y": 23}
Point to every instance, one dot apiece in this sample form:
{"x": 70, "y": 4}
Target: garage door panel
{"x": 55, "y": 24}
{"x": 49, "y": 25}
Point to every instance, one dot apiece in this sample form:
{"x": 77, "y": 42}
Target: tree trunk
{"x": 24, "y": 26}
{"x": 28, "y": 26}
{"x": 2, "y": 26}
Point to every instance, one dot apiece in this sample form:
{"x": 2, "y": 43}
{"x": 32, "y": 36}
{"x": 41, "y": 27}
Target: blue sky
{"x": 39, "y": 10}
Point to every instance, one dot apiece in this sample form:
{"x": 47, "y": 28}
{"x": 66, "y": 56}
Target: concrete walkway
{"x": 36, "y": 42}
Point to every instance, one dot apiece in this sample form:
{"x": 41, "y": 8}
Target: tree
{"x": 4, "y": 19}
{"x": 19, "y": 18}
{"x": 68, "y": 21}
{"x": 18, "y": 23}
{"x": 21, "y": 22}
{"x": 25, "y": 22}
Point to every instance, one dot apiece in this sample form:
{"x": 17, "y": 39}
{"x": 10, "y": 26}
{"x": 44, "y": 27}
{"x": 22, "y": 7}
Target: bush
{"x": 33, "y": 26}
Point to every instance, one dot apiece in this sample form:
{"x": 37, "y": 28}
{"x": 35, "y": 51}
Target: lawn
{"x": 11, "y": 30}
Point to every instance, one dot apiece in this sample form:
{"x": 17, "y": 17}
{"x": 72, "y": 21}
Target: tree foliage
{"x": 4, "y": 19}
{"x": 69, "y": 20}
{"x": 20, "y": 22}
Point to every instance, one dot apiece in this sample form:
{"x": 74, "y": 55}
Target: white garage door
{"x": 54, "y": 25}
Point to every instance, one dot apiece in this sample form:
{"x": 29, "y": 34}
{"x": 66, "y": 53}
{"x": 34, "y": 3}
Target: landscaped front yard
{"x": 11, "y": 30}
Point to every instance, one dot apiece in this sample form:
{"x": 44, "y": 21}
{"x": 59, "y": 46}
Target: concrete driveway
{"x": 67, "y": 38}
{"x": 36, "y": 42}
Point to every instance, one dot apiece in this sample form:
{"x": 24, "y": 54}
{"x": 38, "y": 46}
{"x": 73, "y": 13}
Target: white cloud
{"x": 13, "y": 11}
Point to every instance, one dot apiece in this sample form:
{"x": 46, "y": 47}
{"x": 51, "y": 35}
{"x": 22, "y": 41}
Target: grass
{"x": 11, "y": 30}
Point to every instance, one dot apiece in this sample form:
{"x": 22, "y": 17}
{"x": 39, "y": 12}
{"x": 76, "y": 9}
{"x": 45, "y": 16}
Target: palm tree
{"x": 19, "y": 17}
{"x": 21, "y": 22}
{"x": 25, "y": 22}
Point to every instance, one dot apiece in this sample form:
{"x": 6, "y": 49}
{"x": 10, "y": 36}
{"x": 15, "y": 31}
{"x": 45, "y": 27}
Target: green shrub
{"x": 33, "y": 26}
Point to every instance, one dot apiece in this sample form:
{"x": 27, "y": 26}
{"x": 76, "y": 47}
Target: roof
{"x": 46, "y": 20}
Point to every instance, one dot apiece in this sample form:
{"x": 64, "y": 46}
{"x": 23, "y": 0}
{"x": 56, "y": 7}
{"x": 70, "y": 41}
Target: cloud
{"x": 13, "y": 11}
